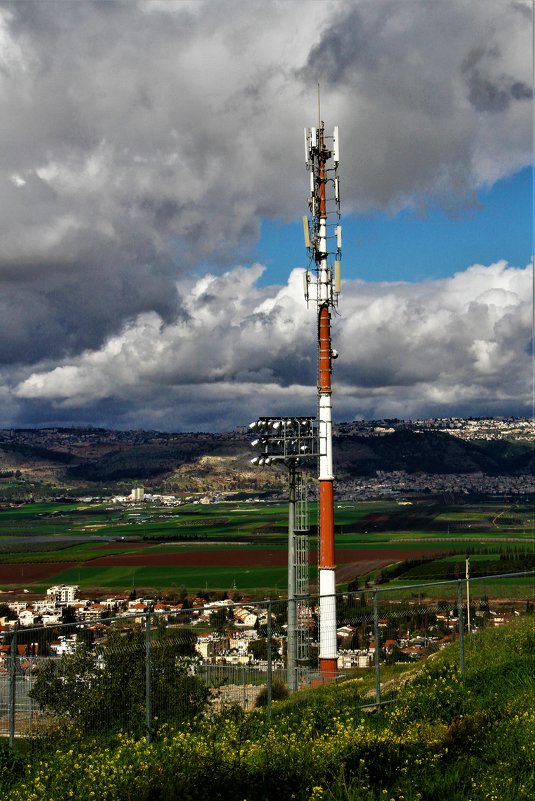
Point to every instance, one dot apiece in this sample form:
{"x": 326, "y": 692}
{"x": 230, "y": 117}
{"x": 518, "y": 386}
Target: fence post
{"x": 12, "y": 688}
{"x": 377, "y": 653}
{"x": 461, "y": 625}
{"x": 269, "y": 656}
{"x": 148, "y": 709}
{"x": 468, "y": 622}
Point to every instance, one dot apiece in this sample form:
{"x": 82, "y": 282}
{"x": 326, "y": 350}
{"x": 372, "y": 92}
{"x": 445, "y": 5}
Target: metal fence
{"x": 136, "y": 672}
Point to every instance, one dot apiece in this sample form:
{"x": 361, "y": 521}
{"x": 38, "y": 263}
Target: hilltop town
{"x": 372, "y": 458}
{"x": 101, "y": 440}
{"x": 472, "y": 428}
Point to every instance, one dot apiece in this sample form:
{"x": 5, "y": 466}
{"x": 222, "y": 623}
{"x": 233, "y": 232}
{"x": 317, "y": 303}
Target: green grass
{"x": 521, "y": 589}
{"x": 445, "y": 738}
{"x": 255, "y": 579}
{"x": 30, "y": 510}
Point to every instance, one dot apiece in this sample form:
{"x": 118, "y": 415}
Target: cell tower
{"x": 323, "y": 240}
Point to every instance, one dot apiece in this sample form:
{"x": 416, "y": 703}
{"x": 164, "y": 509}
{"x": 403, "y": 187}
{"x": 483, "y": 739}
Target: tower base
{"x": 328, "y": 670}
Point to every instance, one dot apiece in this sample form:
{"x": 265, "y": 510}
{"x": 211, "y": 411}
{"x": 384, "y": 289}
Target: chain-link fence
{"x": 137, "y": 672}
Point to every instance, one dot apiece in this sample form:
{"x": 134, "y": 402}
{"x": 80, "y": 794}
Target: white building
{"x": 209, "y": 646}
{"x": 27, "y": 618}
{"x": 62, "y": 593}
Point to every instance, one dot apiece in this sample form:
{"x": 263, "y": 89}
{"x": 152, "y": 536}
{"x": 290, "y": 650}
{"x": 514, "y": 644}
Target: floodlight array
{"x": 283, "y": 438}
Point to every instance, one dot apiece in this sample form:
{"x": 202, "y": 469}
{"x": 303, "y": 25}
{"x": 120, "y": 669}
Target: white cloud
{"x": 142, "y": 141}
{"x": 405, "y": 349}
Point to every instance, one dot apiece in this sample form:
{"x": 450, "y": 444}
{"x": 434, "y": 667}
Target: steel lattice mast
{"x": 290, "y": 440}
{"x": 323, "y": 241}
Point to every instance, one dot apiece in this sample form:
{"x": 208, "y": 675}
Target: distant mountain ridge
{"x": 80, "y": 456}
{"x": 431, "y": 452}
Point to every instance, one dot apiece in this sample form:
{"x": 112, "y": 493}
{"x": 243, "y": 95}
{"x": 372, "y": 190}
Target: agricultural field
{"x": 243, "y": 545}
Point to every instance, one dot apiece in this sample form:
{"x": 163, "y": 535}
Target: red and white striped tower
{"x": 323, "y": 240}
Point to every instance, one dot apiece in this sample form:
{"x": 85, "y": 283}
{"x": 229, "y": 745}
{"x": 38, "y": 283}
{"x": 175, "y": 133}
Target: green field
{"x": 514, "y": 588}
{"x": 79, "y": 533}
{"x": 257, "y": 579}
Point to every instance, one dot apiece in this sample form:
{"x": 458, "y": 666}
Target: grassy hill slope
{"x": 443, "y": 739}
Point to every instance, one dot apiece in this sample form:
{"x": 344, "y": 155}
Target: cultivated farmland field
{"x": 243, "y": 546}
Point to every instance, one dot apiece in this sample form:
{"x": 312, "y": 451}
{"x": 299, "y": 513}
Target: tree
{"x": 258, "y": 648}
{"x": 7, "y": 612}
{"x": 103, "y": 689}
{"x": 219, "y": 620}
{"x": 68, "y": 614}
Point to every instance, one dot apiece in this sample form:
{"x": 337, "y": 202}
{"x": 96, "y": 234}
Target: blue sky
{"x": 413, "y": 246}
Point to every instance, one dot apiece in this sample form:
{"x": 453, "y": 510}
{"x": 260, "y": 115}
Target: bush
{"x": 11, "y": 765}
{"x": 103, "y": 690}
{"x": 279, "y": 692}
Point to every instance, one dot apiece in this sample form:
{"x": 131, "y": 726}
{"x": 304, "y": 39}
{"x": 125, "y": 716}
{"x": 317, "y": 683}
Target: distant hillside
{"x": 21, "y": 452}
{"x": 222, "y": 461}
{"x": 186, "y": 463}
{"x": 147, "y": 461}
{"x": 430, "y": 452}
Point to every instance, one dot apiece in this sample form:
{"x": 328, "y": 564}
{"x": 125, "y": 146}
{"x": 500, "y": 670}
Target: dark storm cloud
{"x": 57, "y": 307}
{"x": 343, "y": 46}
{"x": 143, "y": 141}
{"x": 488, "y": 93}
{"x": 415, "y": 81}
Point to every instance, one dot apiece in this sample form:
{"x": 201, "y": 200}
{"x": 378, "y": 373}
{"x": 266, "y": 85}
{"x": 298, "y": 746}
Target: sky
{"x": 152, "y": 187}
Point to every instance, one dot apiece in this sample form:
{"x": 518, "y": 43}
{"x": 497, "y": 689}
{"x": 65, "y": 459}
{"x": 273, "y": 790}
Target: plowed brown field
{"x": 255, "y": 557}
{"x": 350, "y": 563}
{"x": 18, "y": 574}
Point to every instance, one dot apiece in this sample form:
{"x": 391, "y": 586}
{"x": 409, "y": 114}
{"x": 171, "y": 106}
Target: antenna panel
{"x": 336, "y": 146}
{"x": 306, "y": 231}
{"x": 307, "y": 145}
{"x": 338, "y": 230}
{"x": 337, "y": 276}
{"x": 306, "y": 281}
{"x": 313, "y": 138}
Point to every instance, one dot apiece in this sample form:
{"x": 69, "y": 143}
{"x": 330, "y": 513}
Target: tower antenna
{"x": 324, "y": 243}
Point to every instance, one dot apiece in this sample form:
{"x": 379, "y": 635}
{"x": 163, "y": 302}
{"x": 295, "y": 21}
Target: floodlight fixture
{"x": 285, "y": 438}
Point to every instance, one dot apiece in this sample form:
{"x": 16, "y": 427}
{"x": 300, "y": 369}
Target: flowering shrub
{"x": 437, "y": 694}
{"x": 439, "y": 742}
